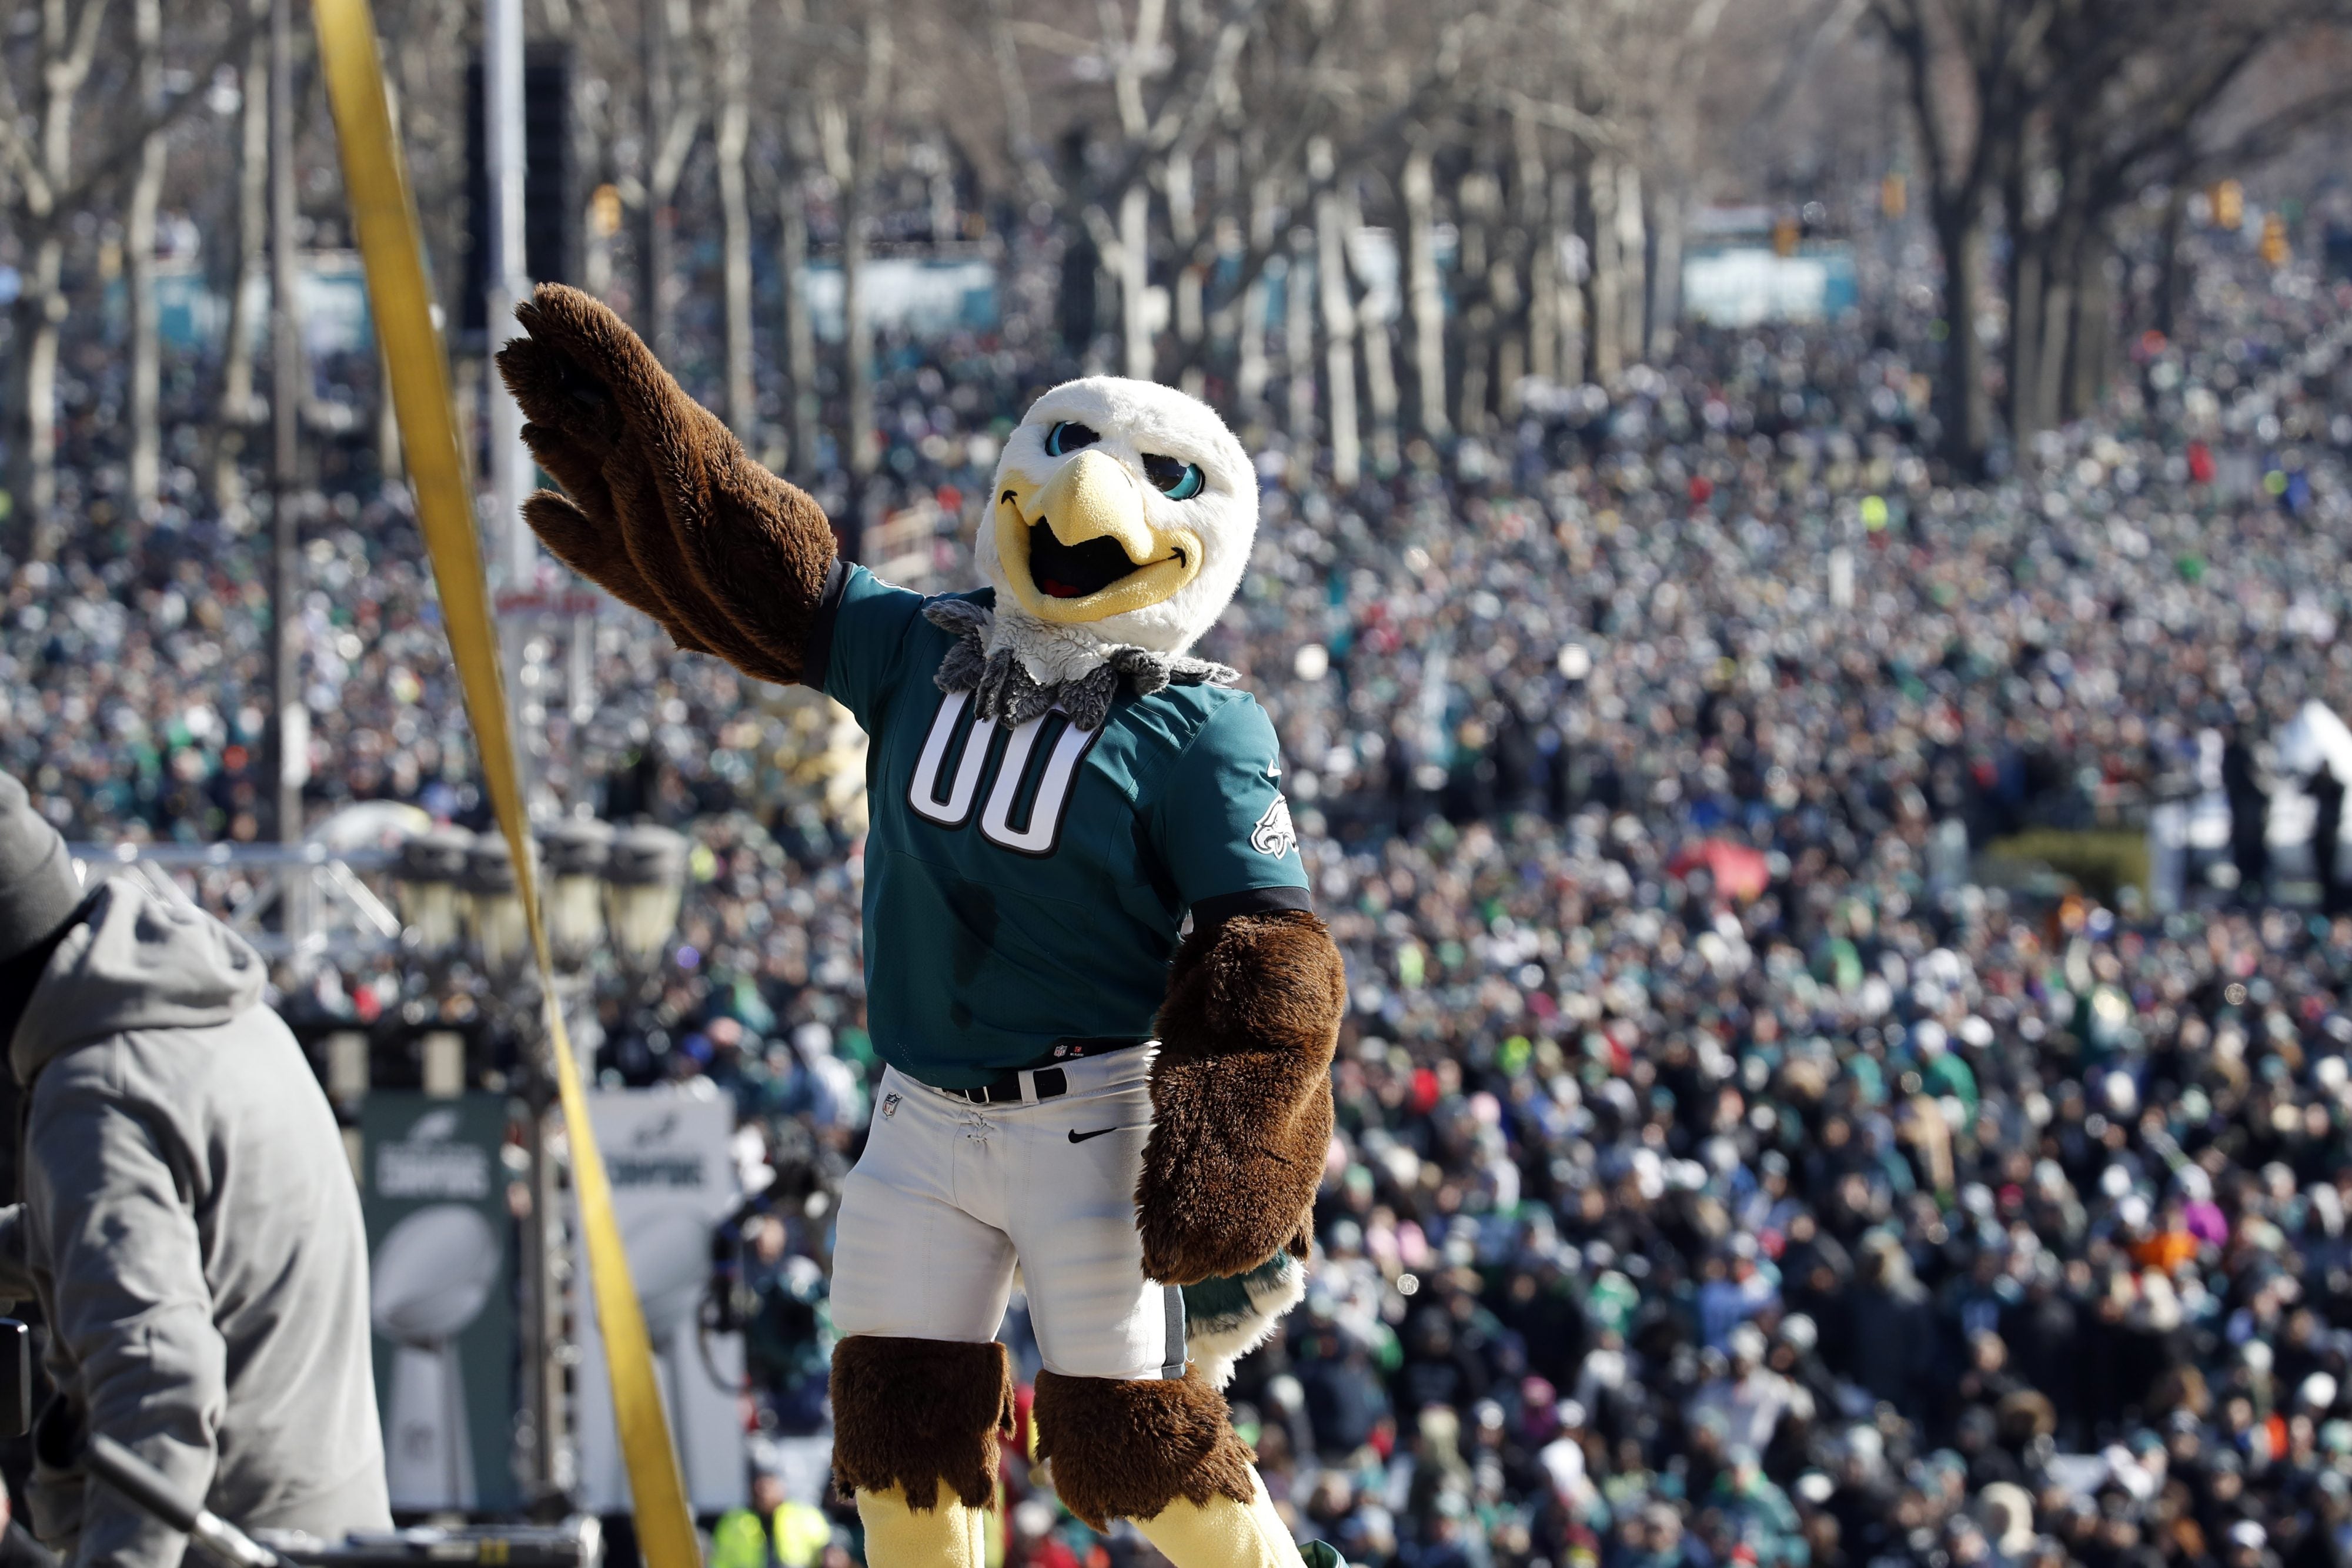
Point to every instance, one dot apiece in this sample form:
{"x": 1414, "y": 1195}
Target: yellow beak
{"x": 1092, "y": 496}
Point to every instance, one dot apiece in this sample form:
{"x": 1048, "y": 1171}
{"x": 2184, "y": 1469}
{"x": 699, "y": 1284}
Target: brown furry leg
{"x": 1126, "y": 1450}
{"x": 915, "y": 1413}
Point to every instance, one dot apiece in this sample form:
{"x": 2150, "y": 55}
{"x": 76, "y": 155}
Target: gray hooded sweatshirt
{"x": 192, "y": 1230}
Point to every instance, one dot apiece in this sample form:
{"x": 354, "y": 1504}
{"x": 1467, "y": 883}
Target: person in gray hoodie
{"x": 189, "y": 1225}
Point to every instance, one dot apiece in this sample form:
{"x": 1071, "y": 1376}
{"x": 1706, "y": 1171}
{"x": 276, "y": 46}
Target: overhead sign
{"x": 1741, "y": 286}
{"x": 923, "y": 297}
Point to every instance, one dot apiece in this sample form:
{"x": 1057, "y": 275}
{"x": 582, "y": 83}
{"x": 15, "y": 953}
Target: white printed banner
{"x": 673, "y": 1181}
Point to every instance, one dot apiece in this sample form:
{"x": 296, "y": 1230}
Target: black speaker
{"x": 551, "y": 198}
{"x": 15, "y": 1378}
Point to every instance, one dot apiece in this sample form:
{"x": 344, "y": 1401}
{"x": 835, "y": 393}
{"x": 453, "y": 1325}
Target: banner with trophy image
{"x": 441, "y": 1294}
{"x": 673, "y": 1181}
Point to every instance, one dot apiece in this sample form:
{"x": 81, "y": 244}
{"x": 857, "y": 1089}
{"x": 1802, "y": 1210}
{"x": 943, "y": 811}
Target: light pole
{"x": 508, "y": 274}
{"x": 573, "y": 857}
{"x": 506, "y": 283}
{"x": 290, "y": 720}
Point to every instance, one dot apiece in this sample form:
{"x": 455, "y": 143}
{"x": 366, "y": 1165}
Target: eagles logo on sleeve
{"x": 1273, "y": 835}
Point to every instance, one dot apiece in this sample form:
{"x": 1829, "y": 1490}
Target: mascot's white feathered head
{"x": 1122, "y": 514}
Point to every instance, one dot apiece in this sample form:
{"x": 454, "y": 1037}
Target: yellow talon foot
{"x": 898, "y": 1536}
{"x": 1223, "y": 1534}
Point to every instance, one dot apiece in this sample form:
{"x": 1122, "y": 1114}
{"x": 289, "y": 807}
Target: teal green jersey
{"x": 1025, "y": 885}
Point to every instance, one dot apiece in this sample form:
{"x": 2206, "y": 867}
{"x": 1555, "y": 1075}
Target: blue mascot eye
{"x": 1069, "y": 436}
{"x": 1177, "y": 481}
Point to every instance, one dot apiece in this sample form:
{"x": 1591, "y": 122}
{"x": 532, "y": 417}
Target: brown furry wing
{"x": 666, "y": 511}
{"x": 1241, "y": 1096}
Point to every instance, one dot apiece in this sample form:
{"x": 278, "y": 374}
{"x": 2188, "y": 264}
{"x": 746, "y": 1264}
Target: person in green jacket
{"x": 775, "y": 1532}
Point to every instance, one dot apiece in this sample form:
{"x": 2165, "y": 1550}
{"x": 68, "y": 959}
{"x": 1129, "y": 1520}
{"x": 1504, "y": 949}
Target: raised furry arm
{"x": 1241, "y": 1096}
{"x": 664, "y": 508}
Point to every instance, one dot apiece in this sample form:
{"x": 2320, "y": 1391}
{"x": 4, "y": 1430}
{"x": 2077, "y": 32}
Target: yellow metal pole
{"x": 384, "y": 214}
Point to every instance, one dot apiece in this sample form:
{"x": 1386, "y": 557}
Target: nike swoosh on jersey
{"x": 1079, "y": 1137}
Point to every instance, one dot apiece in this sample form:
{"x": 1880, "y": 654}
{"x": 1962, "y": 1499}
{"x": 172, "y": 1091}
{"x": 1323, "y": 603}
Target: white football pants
{"x": 950, "y": 1195}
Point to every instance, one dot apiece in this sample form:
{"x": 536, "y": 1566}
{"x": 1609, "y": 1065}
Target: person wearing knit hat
{"x": 38, "y": 895}
{"x": 38, "y": 889}
{"x": 188, "y": 1223}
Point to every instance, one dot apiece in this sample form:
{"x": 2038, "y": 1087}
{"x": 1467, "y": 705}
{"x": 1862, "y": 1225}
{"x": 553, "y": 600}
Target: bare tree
{"x": 1424, "y": 293}
{"x": 1336, "y": 294}
{"x": 58, "y": 168}
{"x": 2059, "y": 113}
{"x": 672, "y": 117}
{"x": 1969, "y": 68}
{"x": 45, "y": 191}
{"x": 1299, "y": 341}
{"x": 1240, "y": 168}
{"x": 850, "y": 127}
{"x": 139, "y": 260}
{"x": 1376, "y": 315}
{"x": 1130, "y": 253}
{"x": 731, "y": 41}
{"x": 1633, "y": 262}
{"x": 1252, "y": 372}
{"x": 2129, "y": 96}
{"x": 790, "y": 180}
{"x": 237, "y": 409}
{"x": 800, "y": 322}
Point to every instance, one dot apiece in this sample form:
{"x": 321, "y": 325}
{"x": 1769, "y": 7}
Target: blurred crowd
{"x": 1726, "y": 1171}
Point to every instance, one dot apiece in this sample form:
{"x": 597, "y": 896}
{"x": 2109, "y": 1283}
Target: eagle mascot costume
{"x": 1133, "y": 1114}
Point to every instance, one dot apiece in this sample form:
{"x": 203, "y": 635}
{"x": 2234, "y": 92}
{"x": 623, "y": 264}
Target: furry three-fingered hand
{"x": 662, "y": 507}
{"x": 1241, "y": 1097}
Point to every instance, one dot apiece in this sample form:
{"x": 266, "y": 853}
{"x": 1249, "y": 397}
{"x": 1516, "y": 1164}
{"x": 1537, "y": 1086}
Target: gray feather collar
{"x": 1005, "y": 692}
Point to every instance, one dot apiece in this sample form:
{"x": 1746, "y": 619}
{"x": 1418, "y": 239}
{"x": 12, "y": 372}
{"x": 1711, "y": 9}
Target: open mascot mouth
{"x": 1073, "y": 571}
{"x": 1082, "y": 547}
